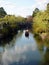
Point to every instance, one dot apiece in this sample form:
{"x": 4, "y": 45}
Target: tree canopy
{"x": 2, "y": 12}
{"x": 41, "y": 20}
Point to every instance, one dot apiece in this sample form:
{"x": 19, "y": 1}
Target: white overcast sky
{"x": 22, "y": 7}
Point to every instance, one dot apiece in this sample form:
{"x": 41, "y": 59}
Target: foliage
{"x": 2, "y": 12}
{"x": 35, "y": 12}
{"x": 41, "y": 21}
{"x": 20, "y": 19}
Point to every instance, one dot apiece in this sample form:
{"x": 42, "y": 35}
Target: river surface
{"x": 24, "y": 51}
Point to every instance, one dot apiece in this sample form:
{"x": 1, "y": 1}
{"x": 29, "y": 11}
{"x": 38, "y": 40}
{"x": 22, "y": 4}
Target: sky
{"x": 22, "y": 7}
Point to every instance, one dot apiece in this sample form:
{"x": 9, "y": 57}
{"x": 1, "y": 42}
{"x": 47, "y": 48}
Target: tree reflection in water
{"x": 25, "y": 51}
{"x": 43, "y": 46}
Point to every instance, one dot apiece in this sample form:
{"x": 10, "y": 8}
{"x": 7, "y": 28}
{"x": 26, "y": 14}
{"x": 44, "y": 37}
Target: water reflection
{"x": 24, "y": 51}
{"x": 46, "y": 59}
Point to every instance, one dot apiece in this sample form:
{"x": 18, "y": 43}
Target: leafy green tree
{"x": 10, "y": 18}
{"x": 20, "y": 19}
{"x": 38, "y": 24}
{"x": 41, "y": 21}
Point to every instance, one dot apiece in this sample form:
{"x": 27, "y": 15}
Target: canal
{"x": 24, "y": 50}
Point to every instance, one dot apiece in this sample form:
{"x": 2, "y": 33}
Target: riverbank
{"x": 42, "y": 38}
{"x": 8, "y": 31}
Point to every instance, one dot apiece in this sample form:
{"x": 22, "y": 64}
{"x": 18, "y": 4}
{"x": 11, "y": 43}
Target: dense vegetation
{"x": 40, "y": 25}
{"x": 38, "y": 22}
{"x": 10, "y": 24}
{"x": 2, "y": 12}
{"x": 41, "y": 20}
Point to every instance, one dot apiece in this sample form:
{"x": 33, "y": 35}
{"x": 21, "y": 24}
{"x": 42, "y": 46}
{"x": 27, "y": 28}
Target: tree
{"x": 48, "y": 6}
{"x": 35, "y": 12}
{"x": 29, "y": 19}
{"x": 10, "y": 18}
{"x": 20, "y": 19}
{"x": 41, "y": 20}
{"x": 38, "y": 24}
{"x": 2, "y": 12}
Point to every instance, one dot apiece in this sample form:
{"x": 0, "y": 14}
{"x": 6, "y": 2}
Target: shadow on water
{"x": 6, "y": 38}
